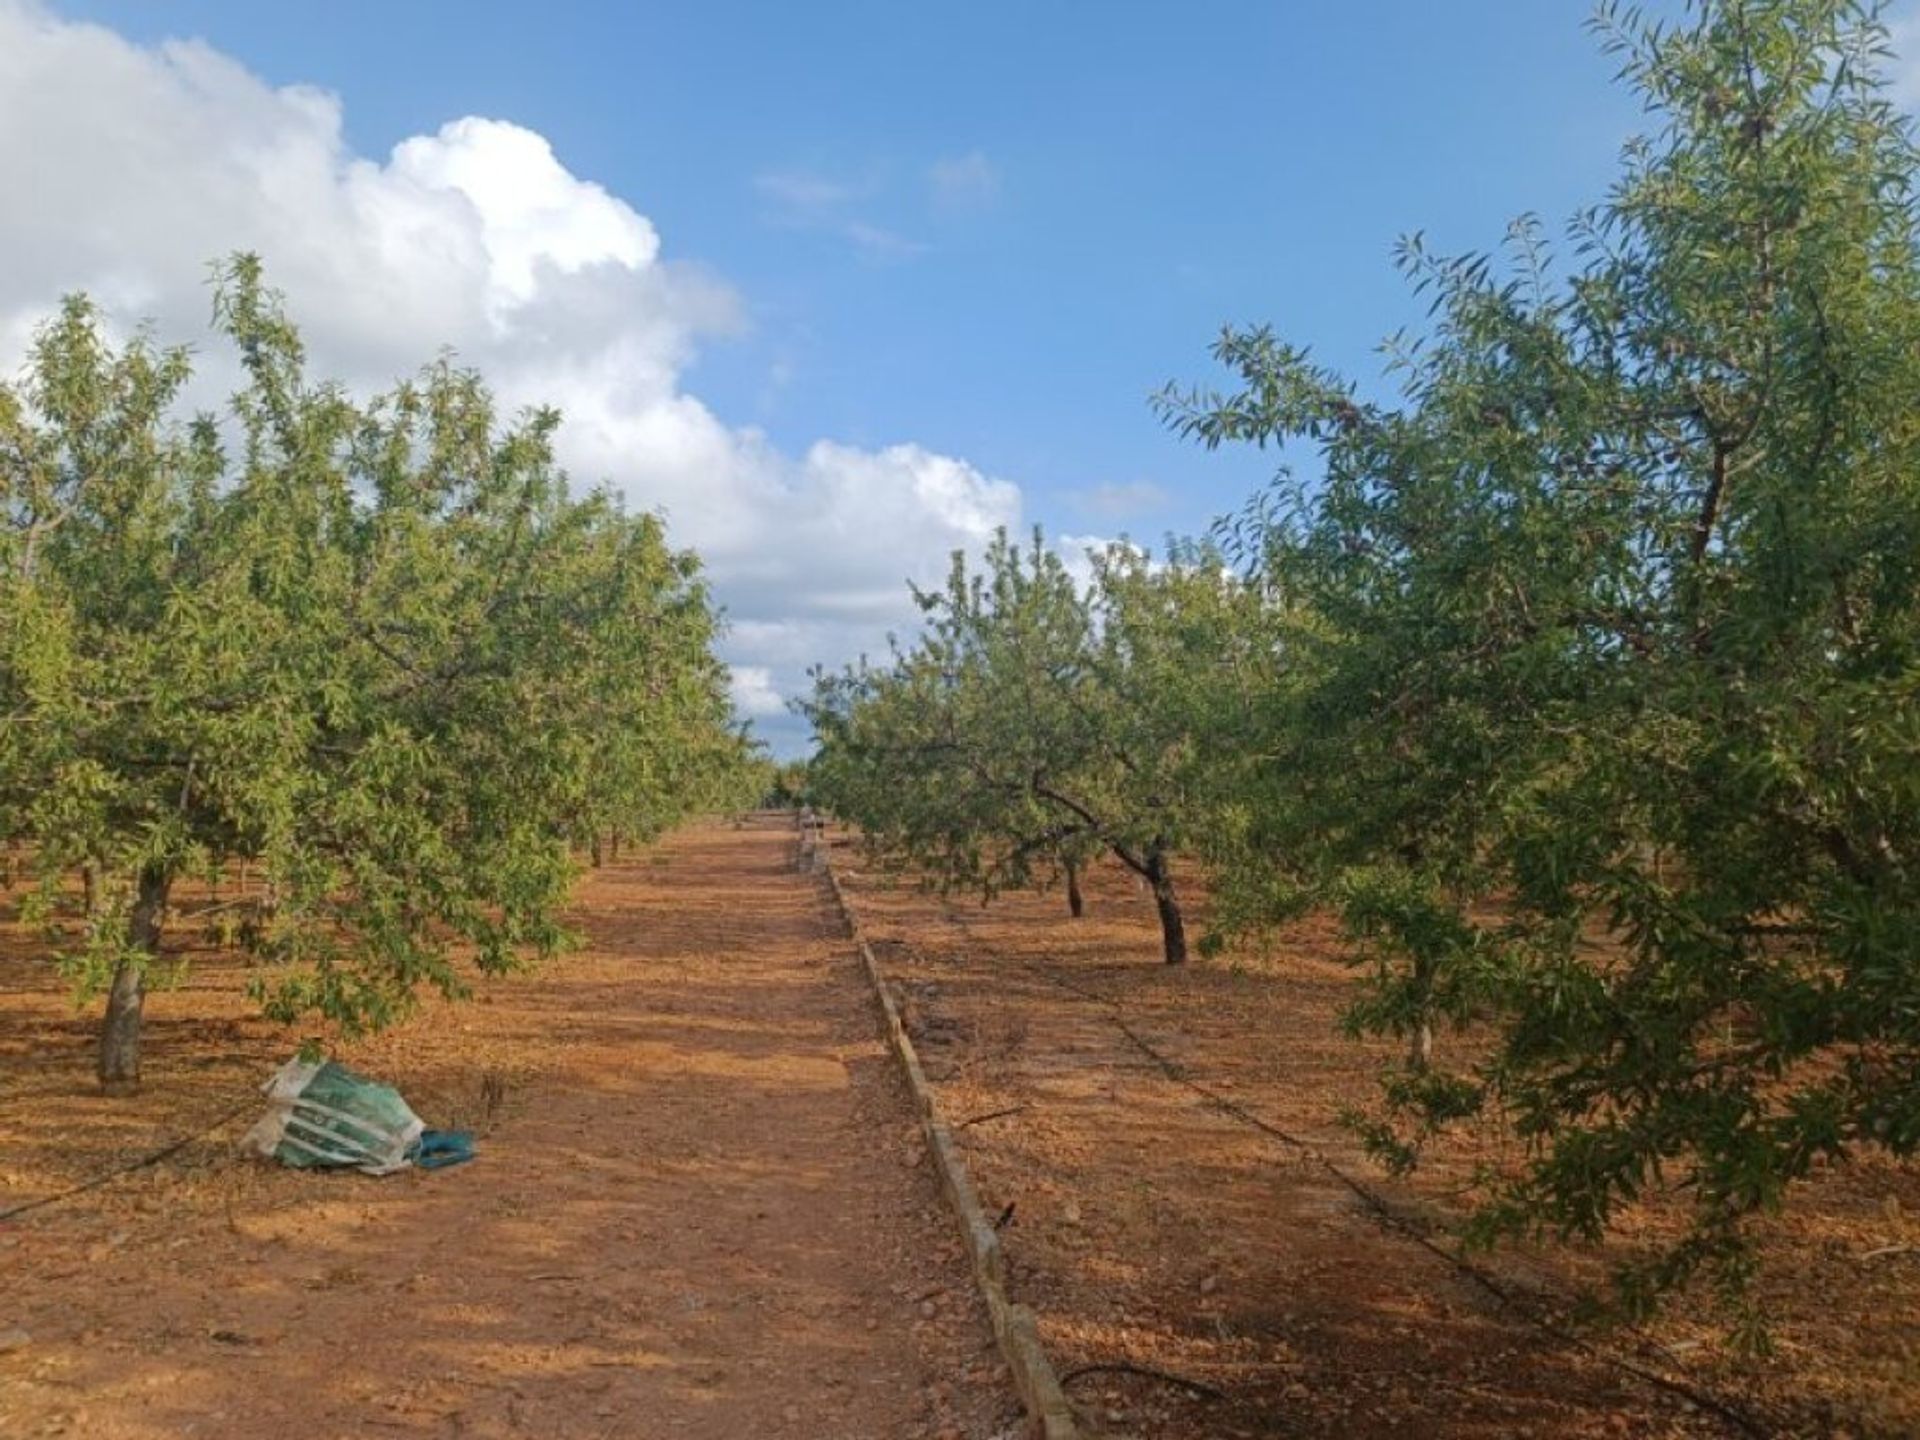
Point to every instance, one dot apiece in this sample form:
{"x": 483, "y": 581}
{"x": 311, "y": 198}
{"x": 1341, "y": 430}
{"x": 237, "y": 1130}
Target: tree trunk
{"x": 1173, "y": 929}
{"x": 613, "y": 847}
{"x": 1420, "y": 1048}
{"x": 593, "y": 850}
{"x": 1420, "y": 1052}
{"x": 120, "y": 1035}
{"x": 1076, "y": 902}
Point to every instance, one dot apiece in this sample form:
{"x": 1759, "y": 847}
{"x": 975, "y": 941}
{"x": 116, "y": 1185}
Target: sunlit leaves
{"x": 1604, "y": 744}
{"x": 376, "y": 653}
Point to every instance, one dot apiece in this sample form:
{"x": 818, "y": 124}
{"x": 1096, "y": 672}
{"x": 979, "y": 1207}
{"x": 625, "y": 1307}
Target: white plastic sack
{"x": 320, "y": 1114}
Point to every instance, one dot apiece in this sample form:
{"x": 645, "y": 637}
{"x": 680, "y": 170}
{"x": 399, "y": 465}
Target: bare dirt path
{"x": 700, "y": 1210}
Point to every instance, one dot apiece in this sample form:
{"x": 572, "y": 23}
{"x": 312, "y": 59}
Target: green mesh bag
{"x": 322, "y": 1115}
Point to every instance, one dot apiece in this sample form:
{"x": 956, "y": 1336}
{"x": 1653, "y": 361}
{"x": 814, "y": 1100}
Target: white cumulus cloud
{"x": 754, "y": 692}
{"x": 131, "y": 167}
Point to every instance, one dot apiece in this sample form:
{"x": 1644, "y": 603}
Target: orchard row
{"x": 374, "y": 657}
{"x": 1579, "y": 676}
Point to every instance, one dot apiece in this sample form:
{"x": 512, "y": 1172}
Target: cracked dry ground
{"x": 700, "y": 1207}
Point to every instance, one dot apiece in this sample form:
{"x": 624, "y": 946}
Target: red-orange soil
{"x": 1152, "y": 1228}
{"x": 700, "y": 1207}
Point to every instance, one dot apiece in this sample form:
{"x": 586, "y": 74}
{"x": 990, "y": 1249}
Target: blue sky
{"x": 983, "y": 233}
{"x": 1154, "y": 172}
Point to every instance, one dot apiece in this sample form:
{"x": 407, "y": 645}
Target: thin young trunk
{"x": 1173, "y": 929}
{"x": 593, "y": 848}
{"x": 1420, "y": 1048}
{"x": 120, "y": 1034}
{"x": 1076, "y": 902}
{"x": 1420, "y": 1052}
{"x": 613, "y": 847}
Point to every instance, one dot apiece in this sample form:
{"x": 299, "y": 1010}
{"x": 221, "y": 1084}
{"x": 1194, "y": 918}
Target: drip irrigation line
{"x": 995, "y": 1115}
{"x": 1391, "y": 1219}
{"x": 1377, "y": 1204}
{"x": 1145, "y": 1372}
{"x": 142, "y": 1163}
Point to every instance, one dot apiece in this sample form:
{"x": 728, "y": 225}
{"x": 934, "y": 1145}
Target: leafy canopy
{"x": 376, "y": 652}
{"x": 1034, "y": 723}
{"x": 1604, "y": 734}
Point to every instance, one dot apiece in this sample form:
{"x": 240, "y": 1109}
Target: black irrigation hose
{"x": 1382, "y": 1211}
{"x": 1145, "y": 1372}
{"x": 142, "y": 1163}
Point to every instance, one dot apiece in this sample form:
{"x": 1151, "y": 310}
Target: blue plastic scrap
{"x": 437, "y": 1149}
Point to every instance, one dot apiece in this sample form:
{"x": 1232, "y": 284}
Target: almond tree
{"x": 1603, "y": 737}
{"x": 648, "y": 699}
{"x": 1033, "y": 723}
{"x": 374, "y": 651}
